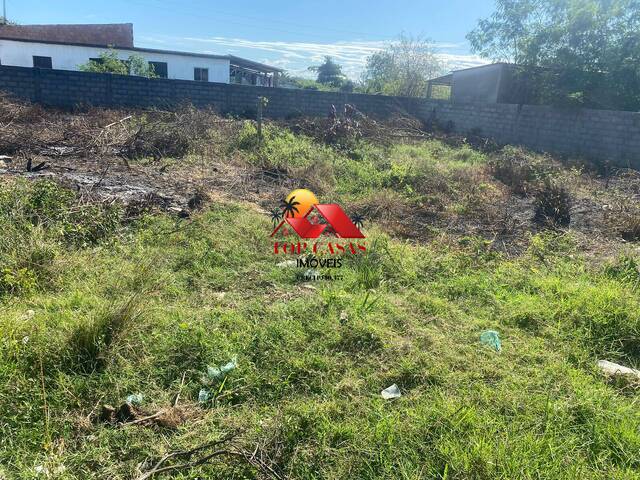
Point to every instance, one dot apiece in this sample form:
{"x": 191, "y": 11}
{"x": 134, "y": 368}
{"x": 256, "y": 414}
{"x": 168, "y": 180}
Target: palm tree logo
{"x": 276, "y": 216}
{"x": 358, "y": 221}
{"x": 289, "y": 207}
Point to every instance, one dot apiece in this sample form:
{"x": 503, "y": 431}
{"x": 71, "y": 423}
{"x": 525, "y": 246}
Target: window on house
{"x": 201, "y": 74}
{"x": 41, "y": 62}
{"x": 160, "y": 69}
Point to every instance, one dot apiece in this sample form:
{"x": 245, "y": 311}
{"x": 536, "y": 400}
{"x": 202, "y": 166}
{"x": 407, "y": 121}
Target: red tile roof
{"x": 115, "y": 34}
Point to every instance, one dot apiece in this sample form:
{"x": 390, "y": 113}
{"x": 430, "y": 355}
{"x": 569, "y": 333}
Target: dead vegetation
{"x": 128, "y": 414}
{"x": 522, "y": 171}
{"x": 30, "y": 130}
{"x": 176, "y": 161}
{"x": 226, "y": 448}
{"x": 342, "y": 129}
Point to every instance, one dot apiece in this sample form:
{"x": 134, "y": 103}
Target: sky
{"x": 289, "y": 34}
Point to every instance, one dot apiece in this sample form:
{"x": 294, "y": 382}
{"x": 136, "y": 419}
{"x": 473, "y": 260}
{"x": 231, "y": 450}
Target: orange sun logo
{"x": 298, "y": 203}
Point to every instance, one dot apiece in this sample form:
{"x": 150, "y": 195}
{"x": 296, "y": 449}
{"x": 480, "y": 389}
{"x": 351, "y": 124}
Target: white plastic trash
{"x": 611, "y": 368}
{"x": 287, "y": 264}
{"x": 391, "y": 392}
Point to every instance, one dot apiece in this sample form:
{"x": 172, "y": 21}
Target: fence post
{"x": 260, "y": 100}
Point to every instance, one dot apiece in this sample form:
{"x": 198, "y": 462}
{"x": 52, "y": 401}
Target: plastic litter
{"x": 611, "y": 368}
{"x": 492, "y": 339}
{"x": 47, "y": 472}
{"x": 135, "y": 399}
{"x": 41, "y": 470}
{"x": 218, "y": 373}
{"x": 391, "y": 392}
{"x": 287, "y": 263}
{"x": 203, "y": 395}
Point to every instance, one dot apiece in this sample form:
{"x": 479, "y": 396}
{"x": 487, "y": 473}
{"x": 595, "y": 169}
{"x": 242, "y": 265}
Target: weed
{"x": 279, "y": 148}
{"x": 629, "y": 225}
{"x": 625, "y": 268}
{"x": 522, "y": 171}
{"x": 39, "y": 219}
{"x": 16, "y": 281}
{"x": 89, "y": 345}
{"x": 553, "y": 205}
{"x": 356, "y": 340}
{"x": 306, "y": 392}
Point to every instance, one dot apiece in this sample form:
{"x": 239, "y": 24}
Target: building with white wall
{"x": 67, "y": 47}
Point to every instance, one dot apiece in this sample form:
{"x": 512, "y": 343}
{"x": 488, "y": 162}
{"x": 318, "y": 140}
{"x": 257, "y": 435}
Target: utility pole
{"x": 4, "y": 12}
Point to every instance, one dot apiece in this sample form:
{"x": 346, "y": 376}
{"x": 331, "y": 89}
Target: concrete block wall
{"x": 61, "y": 88}
{"x": 601, "y": 135}
{"x": 597, "y": 134}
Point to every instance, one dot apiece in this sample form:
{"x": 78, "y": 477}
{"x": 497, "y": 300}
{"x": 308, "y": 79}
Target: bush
{"x": 279, "y": 149}
{"x": 629, "y": 225}
{"x": 169, "y": 134}
{"x": 520, "y": 170}
{"x": 553, "y": 205}
{"x": 110, "y": 63}
{"x": 16, "y": 280}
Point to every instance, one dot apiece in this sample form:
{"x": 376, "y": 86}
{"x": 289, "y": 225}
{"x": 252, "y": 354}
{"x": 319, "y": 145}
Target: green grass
{"x": 120, "y": 309}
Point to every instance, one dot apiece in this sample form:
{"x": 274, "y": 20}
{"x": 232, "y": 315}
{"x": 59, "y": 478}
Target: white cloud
{"x": 296, "y": 57}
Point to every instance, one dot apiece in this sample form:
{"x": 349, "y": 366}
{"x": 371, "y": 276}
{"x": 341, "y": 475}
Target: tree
{"x": 402, "y": 68}
{"x": 590, "y": 49}
{"x": 110, "y": 63}
{"x": 329, "y": 73}
{"x": 140, "y": 67}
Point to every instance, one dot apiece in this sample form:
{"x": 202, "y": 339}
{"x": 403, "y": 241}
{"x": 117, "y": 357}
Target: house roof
{"x": 242, "y": 62}
{"x": 115, "y": 34}
{"x": 443, "y": 80}
{"x": 486, "y": 65}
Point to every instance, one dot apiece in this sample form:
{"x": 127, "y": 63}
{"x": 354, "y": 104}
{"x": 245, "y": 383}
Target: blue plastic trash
{"x": 218, "y": 373}
{"x": 135, "y": 399}
{"x": 203, "y": 396}
{"x": 492, "y": 339}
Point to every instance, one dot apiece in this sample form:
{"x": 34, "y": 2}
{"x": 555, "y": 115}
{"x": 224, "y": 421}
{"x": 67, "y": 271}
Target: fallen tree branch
{"x": 161, "y": 467}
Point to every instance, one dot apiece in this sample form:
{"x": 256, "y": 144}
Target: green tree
{"x": 590, "y": 49}
{"x": 329, "y": 73}
{"x": 402, "y": 68}
{"x": 110, "y": 63}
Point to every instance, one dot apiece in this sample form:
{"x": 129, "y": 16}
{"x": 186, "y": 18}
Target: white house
{"x": 66, "y": 47}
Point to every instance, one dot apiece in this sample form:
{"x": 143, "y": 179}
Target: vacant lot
{"x": 136, "y": 266}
